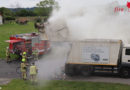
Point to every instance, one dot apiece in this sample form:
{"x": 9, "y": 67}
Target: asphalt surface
{"x": 4, "y": 81}
{"x": 8, "y": 72}
{"x": 97, "y": 78}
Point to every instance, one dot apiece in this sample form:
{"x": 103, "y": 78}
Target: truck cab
{"x": 124, "y": 68}
{"x": 126, "y": 55}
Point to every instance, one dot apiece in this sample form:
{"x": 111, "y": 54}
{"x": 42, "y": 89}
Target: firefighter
{"x": 33, "y": 73}
{"x": 24, "y": 69}
{"x": 24, "y": 56}
{"x": 7, "y": 55}
{"x": 35, "y": 54}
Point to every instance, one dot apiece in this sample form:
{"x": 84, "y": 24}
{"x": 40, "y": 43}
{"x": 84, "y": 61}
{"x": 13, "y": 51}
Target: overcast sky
{"x": 18, "y": 3}
{"x": 32, "y": 3}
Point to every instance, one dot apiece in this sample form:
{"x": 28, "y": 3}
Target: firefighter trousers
{"x": 33, "y": 78}
{"x": 7, "y": 58}
{"x": 24, "y": 75}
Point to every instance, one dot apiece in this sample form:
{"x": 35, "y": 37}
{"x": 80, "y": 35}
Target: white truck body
{"x": 99, "y": 52}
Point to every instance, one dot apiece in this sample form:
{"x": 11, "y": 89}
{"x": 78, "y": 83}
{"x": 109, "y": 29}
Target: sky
{"x": 18, "y": 3}
{"x": 32, "y": 3}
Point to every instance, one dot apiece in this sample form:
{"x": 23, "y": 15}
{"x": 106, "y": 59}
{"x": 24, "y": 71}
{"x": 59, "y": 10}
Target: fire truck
{"x": 28, "y": 42}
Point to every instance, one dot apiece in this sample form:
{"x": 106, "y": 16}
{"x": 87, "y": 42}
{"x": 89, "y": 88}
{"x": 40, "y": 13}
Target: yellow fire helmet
{"x": 23, "y": 60}
{"x": 24, "y": 52}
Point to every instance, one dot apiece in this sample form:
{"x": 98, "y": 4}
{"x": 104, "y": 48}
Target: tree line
{"x": 10, "y": 14}
{"x": 43, "y": 8}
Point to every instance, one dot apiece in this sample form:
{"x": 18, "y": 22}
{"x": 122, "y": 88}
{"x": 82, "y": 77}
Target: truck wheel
{"x": 125, "y": 72}
{"x": 87, "y": 70}
{"x": 70, "y": 74}
{"x": 69, "y": 71}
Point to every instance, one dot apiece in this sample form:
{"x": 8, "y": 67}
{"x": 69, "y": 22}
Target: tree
{"x": 7, "y": 14}
{"x": 47, "y": 3}
{"x": 45, "y": 7}
{"x": 42, "y": 11}
{"x": 24, "y": 12}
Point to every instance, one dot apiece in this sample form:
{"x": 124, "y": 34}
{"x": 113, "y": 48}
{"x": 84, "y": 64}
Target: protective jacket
{"x": 33, "y": 70}
{"x": 23, "y": 67}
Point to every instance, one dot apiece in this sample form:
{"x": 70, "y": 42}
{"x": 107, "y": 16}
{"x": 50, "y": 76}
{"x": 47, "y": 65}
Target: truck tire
{"x": 69, "y": 71}
{"x": 124, "y": 72}
{"x": 87, "y": 70}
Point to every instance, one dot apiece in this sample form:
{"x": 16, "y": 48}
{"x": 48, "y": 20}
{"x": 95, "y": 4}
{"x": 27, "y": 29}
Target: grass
{"x": 17, "y": 84}
{"x": 7, "y": 30}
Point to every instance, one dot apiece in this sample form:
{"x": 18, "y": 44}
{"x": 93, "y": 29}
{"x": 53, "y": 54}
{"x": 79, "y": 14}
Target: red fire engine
{"x": 27, "y": 43}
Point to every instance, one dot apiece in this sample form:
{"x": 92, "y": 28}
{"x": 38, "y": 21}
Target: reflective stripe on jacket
{"x": 24, "y": 56}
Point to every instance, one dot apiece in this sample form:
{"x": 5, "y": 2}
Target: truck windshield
{"x": 127, "y": 52}
{"x": 17, "y": 47}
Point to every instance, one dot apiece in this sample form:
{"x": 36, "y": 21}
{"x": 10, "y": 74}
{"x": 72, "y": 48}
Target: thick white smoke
{"x": 82, "y": 19}
{"x": 79, "y": 20}
{"x": 52, "y": 63}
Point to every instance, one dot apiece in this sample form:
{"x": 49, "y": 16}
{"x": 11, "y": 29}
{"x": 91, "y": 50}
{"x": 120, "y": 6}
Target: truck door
{"x": 126, "y": 55}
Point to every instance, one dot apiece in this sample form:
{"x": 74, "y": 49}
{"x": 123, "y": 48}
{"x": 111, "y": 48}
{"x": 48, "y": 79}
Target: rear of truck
{"x": 93, "y": 55}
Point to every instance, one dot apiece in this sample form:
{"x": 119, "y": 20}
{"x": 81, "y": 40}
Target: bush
{"x": 9, "y": 18}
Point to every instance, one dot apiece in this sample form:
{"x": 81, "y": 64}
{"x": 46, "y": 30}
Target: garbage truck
{"x": 94, "y": 55}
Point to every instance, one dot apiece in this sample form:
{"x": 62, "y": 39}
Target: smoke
{"x": 52, "y": 64}
{"x": 83, "y": 19}
{"x": 80, "y": 20}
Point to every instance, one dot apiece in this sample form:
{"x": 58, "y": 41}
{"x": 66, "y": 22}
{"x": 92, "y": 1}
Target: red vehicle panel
{"x": 28, "y": 42}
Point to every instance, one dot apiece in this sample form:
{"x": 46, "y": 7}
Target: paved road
{"x": 109, "y": 79}
{"x": 8, "y": 71}
{"x": 4, "y": 81}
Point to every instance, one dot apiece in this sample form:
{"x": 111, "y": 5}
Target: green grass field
{"x": 7, "y": 30}
{"x": 63, "y": 85}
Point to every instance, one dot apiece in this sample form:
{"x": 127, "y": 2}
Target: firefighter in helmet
{"x": 24, "y": 56}
{"x": 24, "y": 69}
{"x": 33, "y": 73}
{"x": 7, "y": 55}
